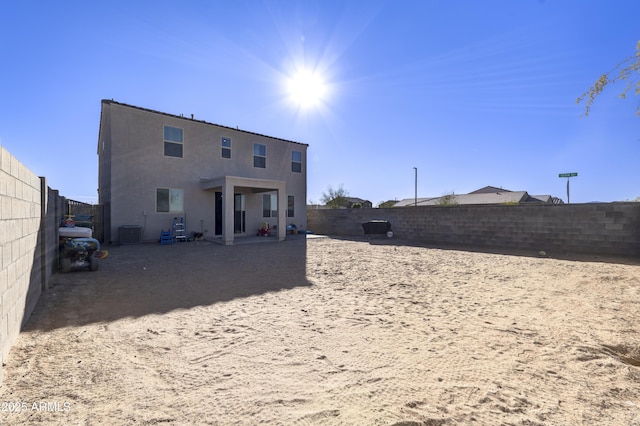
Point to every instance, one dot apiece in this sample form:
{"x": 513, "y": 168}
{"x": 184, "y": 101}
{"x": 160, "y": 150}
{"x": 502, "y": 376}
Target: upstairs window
{"x": 296, "y": 161}
{"x": 173, "y": 142}
{"x": 259, "y": 155}
{"x": 226, "y": 148}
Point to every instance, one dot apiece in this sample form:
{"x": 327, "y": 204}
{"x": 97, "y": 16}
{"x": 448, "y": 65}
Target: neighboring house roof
{"x": 539, "y": 199}
{"x": 350, "y": 201}
{"x": 486, "y": 195}
{"x": 355, "y": 200}
{"x": 412, "y": 201}
{"x": 107, "y": 101}
{"x": 503, "y": 197}
{"x": 488, "y": 189}
{"x": 547, "y": 199}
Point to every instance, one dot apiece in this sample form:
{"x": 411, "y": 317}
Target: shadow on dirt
{"x": 138, "y": 280}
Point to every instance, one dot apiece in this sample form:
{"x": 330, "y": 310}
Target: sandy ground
{"x": 329, "y": 331}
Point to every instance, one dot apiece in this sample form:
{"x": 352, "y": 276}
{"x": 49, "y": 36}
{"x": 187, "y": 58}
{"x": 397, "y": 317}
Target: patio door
{"x": 239, "y": 214}
{"x": 218, "y": 214}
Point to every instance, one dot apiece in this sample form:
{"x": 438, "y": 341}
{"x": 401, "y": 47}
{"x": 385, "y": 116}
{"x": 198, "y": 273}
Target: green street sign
{"x": 568, "y": 175}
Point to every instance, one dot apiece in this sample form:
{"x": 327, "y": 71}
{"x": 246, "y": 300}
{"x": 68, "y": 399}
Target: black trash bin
{"x": 380, "y": 227}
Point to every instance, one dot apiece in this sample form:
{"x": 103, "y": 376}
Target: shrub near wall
{"x": 599, "y": 228}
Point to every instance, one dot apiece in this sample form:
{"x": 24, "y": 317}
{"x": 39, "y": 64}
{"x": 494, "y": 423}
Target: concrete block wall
{"x": 54, "y": 211}
{"x": 23, "y": 260}
{"x": 599, "y": 228}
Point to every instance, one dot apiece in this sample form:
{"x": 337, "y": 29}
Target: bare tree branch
{"x": 627, "y": 70}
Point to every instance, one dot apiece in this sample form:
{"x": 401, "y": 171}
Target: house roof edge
{"x": 111, "y": 101}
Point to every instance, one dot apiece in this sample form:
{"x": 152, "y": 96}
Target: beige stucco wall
{"x": 137, "y": 166}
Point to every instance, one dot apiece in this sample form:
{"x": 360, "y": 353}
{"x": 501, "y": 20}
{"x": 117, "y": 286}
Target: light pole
{"x": 416, "y": 187}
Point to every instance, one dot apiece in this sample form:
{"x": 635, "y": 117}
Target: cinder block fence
{"x": 29, "y": 217}
{"x": 598, "y": 228}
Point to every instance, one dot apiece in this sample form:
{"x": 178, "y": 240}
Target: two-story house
{"x": 223, "y": 182}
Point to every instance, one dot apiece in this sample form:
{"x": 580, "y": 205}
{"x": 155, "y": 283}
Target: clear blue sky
{"x": 471, "y": 92}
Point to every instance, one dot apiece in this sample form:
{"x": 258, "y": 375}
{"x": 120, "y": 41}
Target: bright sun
{"x": 306, "y": 88}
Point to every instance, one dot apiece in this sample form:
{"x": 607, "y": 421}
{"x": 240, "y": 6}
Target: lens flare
{"x": 306, "y": 88}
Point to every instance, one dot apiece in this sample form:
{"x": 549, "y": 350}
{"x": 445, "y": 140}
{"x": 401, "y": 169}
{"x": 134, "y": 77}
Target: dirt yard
{"x": 329, "y": 331}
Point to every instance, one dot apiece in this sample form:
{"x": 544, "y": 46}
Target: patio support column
{"x": 227, "y": 212}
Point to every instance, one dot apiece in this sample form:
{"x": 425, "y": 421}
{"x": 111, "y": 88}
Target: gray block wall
{"x": 599, "y": 228}
{"x": 28, "y": 245}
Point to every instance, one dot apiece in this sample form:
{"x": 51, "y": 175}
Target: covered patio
{"x": 227, "y": 186}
